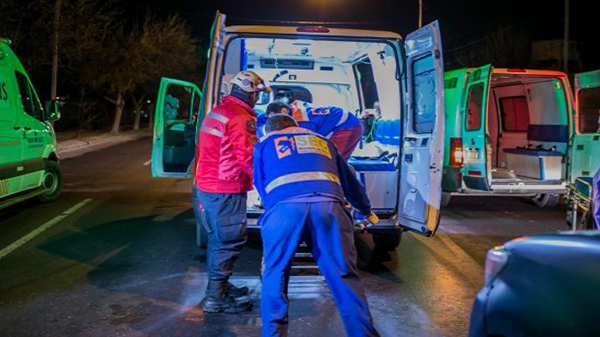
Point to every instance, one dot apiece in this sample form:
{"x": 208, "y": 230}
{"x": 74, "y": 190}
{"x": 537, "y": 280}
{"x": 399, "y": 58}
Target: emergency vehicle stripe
{"x": 300, "y": 177}
{"x": 218, "y": 117}
{"x": 211, "y": 131}
{"x": 344, "y": 118}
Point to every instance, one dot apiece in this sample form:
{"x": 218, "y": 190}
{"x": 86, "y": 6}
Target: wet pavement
{"x": 116, "y": 256}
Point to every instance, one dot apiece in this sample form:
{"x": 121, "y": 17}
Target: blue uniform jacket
{"x": 296, "y": 162}
{"x": 327, "y": 120}
{"x": 324, "y": 121}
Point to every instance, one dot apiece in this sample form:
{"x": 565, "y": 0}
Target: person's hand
{"x": 373, "y": 218}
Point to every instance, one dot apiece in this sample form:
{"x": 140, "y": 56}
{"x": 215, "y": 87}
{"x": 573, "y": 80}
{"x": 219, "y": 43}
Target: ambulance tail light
{"x": 312, "y": 29}
{"x": 516, "y": 70}
{"x": 456, "y": 152}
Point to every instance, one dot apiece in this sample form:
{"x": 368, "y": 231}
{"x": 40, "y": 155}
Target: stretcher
{"x": 579, "y": 204}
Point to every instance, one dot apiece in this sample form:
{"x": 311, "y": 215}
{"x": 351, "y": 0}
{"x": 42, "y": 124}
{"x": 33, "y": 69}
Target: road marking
{"x": 148, "y": 162}
{"x": 17, "y": 244}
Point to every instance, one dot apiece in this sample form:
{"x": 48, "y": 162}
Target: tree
{"x": 150, "y": 50}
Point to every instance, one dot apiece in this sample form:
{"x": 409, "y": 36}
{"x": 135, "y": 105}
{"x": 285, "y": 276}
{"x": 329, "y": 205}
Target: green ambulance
{"x": 28, "y": 154}
{"x": 519, "y": 132}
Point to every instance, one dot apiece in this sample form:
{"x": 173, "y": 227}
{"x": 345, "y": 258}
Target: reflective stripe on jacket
{"x": 225, "y": 143}
{"x": 325, "y": 120}
{"x": 297, "y": 162}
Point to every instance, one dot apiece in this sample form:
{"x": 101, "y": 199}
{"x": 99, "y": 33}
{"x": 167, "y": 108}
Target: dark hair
{"x": 277, "y": 106}
{"x": 279, "y": 122}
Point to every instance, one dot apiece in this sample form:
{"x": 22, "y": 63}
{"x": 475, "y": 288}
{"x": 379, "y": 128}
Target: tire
{"x": 52, "y": 181}
{"x": 545, "y": 200}
{"x": 445, "y": 200}
{"x": 387, "y": 242}
{"x": 201, "y": 236}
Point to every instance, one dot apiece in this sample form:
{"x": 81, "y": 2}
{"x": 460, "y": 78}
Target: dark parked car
{"x": 543, "y": 285}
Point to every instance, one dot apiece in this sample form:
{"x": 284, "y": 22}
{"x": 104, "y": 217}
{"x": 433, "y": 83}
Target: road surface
{"x": 116, "y": 256}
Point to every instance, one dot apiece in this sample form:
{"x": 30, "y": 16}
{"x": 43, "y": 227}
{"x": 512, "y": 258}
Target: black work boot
{"x": 217, "y": 299}
{"x": 236, "y": 291}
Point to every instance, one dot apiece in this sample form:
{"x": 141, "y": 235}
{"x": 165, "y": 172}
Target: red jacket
{"x": 225, "y": 145}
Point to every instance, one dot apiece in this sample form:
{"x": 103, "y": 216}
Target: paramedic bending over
{"x": 343, "y": 128}
{"x": 303, "y": 183}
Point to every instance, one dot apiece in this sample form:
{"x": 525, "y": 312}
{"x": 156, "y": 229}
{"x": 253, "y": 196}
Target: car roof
{"x": 293, "y": 30}
{"x": 578, "y": 239}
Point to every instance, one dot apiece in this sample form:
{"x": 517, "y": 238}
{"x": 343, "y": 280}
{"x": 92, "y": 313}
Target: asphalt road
{"x": 116, "y": 256}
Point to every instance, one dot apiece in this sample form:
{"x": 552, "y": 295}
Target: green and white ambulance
{"x": 28, "y": 154}
{"x": 517, "y": 132}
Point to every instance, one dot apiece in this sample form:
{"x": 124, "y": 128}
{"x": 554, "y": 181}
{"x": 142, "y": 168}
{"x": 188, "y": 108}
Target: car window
{"x": 474, "y": 108}
{"x": 589, "y": 110}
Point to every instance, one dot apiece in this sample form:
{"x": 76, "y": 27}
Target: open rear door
{"x": 175, "y": 117}
{"x": 585, "y": 144}
{"x": 476, "y": 143}
{"x": 423, "y": 142}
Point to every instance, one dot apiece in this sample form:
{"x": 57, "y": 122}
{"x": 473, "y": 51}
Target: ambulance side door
{"x": 585, "y": 144}
{"x": 423, "y": 132}
{"x": 175, "y": 117}
{"x": 475, "y": 139}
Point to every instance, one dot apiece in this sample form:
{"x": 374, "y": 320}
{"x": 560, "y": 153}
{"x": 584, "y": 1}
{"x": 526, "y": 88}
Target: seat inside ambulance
{"x": 528, "y": 127}
{"x": 361, "y": 77}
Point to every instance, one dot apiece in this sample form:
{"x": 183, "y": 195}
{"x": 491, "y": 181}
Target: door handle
{"x": 27, "y": 128}
{"x": 17, "y": 127}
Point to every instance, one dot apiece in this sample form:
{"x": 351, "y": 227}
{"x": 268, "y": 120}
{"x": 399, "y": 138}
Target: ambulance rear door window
{"x": 589, "y": 110}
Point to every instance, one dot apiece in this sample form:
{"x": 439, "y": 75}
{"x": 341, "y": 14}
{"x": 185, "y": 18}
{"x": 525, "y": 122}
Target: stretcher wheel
{"x": 545, "y": 200}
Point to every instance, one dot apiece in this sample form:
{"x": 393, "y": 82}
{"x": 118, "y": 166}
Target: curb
{"x": 77, "y": 147}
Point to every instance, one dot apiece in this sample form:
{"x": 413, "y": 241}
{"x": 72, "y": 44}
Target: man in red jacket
{"x": 223, "y": 178}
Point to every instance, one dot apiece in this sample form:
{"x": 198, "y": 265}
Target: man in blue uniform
{"x": 303, "y": 183}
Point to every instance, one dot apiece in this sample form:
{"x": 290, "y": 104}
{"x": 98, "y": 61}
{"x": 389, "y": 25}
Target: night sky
{"x": 462, "y": 21}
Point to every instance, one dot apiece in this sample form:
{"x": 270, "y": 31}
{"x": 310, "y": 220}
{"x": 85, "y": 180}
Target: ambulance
{"x": 29, "y": 165}
{"x": 348, "y": 68}
{"x": 512, "y": 132}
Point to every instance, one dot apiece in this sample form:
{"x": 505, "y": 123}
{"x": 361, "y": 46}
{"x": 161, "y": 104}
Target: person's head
{"x": 278, "y": 107}
{"x": 279, "y": 122}
{"x": 247, "y": 86}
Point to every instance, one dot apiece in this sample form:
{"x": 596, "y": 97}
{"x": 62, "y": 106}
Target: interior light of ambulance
{"x": 312, "y": 29}
{"x": 456, "y": 152}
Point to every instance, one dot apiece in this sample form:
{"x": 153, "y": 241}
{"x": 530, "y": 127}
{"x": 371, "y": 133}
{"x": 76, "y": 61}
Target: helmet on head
{"x": 249, "y": 82}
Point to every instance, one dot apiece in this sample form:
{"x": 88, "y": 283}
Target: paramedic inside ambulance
{"x": 342, "y": 127}
{"x": 274, "y": 108}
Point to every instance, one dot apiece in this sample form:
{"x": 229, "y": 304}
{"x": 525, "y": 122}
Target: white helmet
{"x": 249, "y": 81}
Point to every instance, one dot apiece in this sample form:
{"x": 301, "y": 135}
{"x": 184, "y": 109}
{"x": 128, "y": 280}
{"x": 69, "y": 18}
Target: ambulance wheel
{"x": 545, "y": 200}
{"x": 445, "y": 200}
{"x": 52, "y": 182}
{"x": 201, "y": 236}
{"x": 387, "y": 242}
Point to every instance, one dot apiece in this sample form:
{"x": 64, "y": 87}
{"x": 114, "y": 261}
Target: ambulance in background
{"x": 511, "y": 132}
{"x": 348, "y": 68}
{"x": 585, "y": 150}
{"x": 28, "y": 155}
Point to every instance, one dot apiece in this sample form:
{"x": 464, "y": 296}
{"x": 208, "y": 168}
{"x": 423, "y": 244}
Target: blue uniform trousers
{"x": 223, "y": 215}
{"x": 330, "y": 228}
